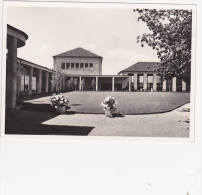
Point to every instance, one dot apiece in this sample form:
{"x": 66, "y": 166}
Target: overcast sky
{"x": 108, "y": 32}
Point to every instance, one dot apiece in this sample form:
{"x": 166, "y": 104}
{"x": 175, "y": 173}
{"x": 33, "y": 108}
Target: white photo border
{"x": 106, "y": 5}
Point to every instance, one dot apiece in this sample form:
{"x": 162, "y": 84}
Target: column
{"x": 52, "y": 82}
{"x": 46, "y": 81}
{"x": 11, "y": 73}
{"x": 135, "y": 81}
{"x": 184, "y": 87}
{"x": 30, "y": 80}
{"x": 145, "y": 82}
{"x": 60, "y": 84}
{"x": 129, "y": 84}
{"x": 154, "y": 82}
{"x": 164, "y": 85}
{"x": 96, "y": 87}
{"x": 112, "y": 83}
{"x": 80, "y": 83}
{"x": 39, "y": 81}
{"x": 63, "y": 83}
{"x": 18, "y": 88}
{"x": 174, "y": 84}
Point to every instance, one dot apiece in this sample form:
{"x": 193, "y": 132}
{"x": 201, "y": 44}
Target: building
{"x": 23, "y": 77}
{"x": 74, "y": 64}
{"x": 33, "y": 78}
{"x": 96, "y": 83}
{"x": 78, "y": 62}
{"x": 15, "y": 39}
{"x": 81, "y": 70}
{"x": 145, "y": 78}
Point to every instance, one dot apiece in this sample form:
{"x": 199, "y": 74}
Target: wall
{"x": 96, "y": 70}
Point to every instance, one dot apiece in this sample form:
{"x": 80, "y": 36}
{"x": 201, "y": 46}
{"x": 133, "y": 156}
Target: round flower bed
{"x": 109, "y": 105}
{"x": 60, "y": 103}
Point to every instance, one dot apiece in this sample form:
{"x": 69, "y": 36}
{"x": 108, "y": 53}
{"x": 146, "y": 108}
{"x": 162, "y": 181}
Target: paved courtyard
{"x": 170, "y": 124}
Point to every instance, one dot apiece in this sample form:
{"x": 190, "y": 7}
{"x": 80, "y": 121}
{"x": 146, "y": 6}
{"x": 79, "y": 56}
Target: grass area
{"x": 128, "y": 102}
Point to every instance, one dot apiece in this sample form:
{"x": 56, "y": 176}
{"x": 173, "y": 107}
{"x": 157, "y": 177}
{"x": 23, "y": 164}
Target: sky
{"x": 108, "y": 32}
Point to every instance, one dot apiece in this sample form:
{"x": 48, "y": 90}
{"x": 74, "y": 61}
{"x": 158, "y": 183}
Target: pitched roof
{"x": 141, "y": 67}
{"x": 78, "y": 52}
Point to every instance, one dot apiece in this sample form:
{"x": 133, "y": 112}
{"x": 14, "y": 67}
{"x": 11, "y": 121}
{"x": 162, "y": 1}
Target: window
{"x": 24, "y": 82}
{"x": 91, "y": 65}
{"x": 81, "y": 65}
{"x": 72, "y": 65}
{"x": 150, "y": 79}
{"x": 141, "y": 79}
{"x": 34, "y": 83}
{"x": 86, "y": 65}
{"x": 77, "y": 65}
{"x": 67, "y": 65}
{"x": 63, "y": 65}
{"x": 158, "y": 79}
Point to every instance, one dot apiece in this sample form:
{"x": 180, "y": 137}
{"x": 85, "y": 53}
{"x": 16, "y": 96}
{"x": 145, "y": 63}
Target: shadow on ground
{"x": 37, "y": 107}
{"x": 30, "y": 123}
{"x": 118, "y": 115}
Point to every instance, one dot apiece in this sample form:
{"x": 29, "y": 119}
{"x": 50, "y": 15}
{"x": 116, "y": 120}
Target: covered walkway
{"x": 97, "y": 83}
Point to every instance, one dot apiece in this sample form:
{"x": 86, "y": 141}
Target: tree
{"x": 59, "y": 76}
{"x": 170, "y": 35}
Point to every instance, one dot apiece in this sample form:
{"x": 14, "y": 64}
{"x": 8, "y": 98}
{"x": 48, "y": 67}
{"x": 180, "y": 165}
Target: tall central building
{"x": 78, "y": 62}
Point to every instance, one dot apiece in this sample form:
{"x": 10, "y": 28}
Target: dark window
{"x": 67, "y": 65}
{"x": 72, "y": 65}
{"x": 81, "y": 65}
{"x": 91, "y": 65}
{"x": 63, "y": 65}
{"x": 77, "y": 65}
{"x": 86, "y": 65}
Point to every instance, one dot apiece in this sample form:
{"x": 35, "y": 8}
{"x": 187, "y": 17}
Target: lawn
{"x": 128, "y": 102}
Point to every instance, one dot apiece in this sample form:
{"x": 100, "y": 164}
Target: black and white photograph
{"x": 101, "y": 98}
{"x": 100, "y": 70}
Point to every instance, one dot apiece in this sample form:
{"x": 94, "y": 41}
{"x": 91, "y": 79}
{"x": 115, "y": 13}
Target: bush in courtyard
{"x": 59, "y": 100}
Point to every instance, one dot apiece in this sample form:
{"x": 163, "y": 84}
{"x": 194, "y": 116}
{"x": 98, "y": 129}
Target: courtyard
{"x": 128, "y": 102}
{"x": 144, "y": 114}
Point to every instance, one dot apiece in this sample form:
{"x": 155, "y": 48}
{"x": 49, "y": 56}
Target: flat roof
{"x": 77, "y": 75}
{"x": 20, "y": 35}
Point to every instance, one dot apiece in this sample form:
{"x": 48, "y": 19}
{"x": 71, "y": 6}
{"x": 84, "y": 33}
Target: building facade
{"x": 81, "y": 69}
{"x": 97, "y": 83}
{"x": 33, "y": 78}
{"x": 78, "y": 62}
{"x": 145, "y": 78}
{"x": 15, "y": 39}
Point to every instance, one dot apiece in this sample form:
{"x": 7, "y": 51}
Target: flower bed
{"x": 109, "y": 105}
{"x": 60, "y": 103}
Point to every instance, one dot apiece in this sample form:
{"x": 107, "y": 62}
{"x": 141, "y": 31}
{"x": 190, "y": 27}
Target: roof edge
{"x": 19, "y": 31}
{"x": 78, "y": 56}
